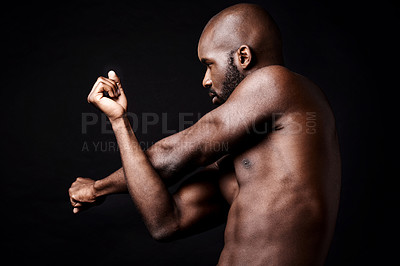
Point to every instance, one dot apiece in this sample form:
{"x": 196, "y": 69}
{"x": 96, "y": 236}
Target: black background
{"x": 53, "y": 53}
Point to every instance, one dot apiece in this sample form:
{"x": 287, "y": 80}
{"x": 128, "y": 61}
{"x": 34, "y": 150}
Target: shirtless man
{"x": 277, "y": 185}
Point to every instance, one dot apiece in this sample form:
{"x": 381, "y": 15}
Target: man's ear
{"x": 244, "y": 56}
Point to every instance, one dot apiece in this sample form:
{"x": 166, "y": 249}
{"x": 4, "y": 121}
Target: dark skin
{"x": 276, "y": 187}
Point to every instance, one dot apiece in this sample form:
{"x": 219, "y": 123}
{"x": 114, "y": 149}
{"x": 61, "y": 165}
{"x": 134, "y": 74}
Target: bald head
{"x": 236, "y": 42}
{"x": 244, "y": 24}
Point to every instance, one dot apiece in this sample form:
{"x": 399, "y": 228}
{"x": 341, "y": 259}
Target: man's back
{"x": 288, "y": 181}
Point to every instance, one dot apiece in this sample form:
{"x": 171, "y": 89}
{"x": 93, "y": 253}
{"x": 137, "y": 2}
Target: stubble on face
{"x": 232, "y": 78}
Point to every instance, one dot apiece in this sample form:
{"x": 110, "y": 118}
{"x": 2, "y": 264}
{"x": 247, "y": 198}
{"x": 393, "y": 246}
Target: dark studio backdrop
{"x": 53, "y": 53}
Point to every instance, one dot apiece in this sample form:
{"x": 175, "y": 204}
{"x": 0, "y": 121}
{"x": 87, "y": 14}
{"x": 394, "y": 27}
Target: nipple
{"x": 246, "y": 163}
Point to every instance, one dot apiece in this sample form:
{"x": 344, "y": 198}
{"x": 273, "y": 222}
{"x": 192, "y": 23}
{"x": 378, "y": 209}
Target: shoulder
{"x": 269, "y": 86}
{"x": 287, "y": 91}
{"x": 272, "y": 77}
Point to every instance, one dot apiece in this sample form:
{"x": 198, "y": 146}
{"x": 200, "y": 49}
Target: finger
{"x": 112, "y": 75}
{"x": 99, "y": 90}
{"x": 120, "y": 90}
{"x": 85, "y": 206}
{"x": 107, "y": 88}
{"x": 92, "y": 90}
{"x": 99, "y": 87}
{"x": 112, "y": 84}
{"x": 74, "y": 202}
{"x": 80, "y": 209}
{"x": 71, "y": 199}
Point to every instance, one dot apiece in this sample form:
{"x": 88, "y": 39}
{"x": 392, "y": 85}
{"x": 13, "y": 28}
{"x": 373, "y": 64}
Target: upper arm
{"x": 257, "y": 99}
{"x": 200, "y": 203}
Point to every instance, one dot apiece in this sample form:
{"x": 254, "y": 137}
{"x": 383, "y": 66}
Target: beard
{"x": 232, "y": 79}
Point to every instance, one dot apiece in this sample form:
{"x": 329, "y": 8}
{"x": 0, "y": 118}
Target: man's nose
{"x": 207, "y": 82}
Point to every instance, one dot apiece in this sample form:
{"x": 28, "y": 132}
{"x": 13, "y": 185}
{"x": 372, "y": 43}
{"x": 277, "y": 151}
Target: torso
{"x": 284, "y": 190}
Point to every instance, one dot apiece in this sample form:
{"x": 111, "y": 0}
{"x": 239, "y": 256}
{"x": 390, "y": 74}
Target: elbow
{"x": 164, "y": 230}
{"x": 162, "y": 163}
{"x": 161, "y": 237}
{"x": 164, "y": 234}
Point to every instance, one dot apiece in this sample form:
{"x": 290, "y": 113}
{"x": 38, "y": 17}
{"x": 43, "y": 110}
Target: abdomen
{"x": 285, "y": 211}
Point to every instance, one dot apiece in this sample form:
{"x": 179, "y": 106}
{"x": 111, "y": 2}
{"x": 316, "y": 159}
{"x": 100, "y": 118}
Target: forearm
{"x": 174, "y": 157}
{"x": 168, "y": 169}
{"x": 113, "y": 184}
{"x": 144, "y": 184}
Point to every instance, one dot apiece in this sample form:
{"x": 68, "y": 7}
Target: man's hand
{"x": 114, "y": 104}
{"x": 83, "y": 194}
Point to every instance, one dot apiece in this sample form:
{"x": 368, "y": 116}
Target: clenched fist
{"x": 107, "y": 95}
{"x": 82, "y": 194}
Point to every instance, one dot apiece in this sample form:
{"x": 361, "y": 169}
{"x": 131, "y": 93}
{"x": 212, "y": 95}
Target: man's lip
{"x": 214, "y": 99}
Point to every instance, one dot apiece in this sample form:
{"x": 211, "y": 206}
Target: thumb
{"x": 112, "y": 75}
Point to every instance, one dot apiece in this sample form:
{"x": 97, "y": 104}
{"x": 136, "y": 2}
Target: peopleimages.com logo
{"x": 293, "y": 124}
{"x": 296, "y": 123}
